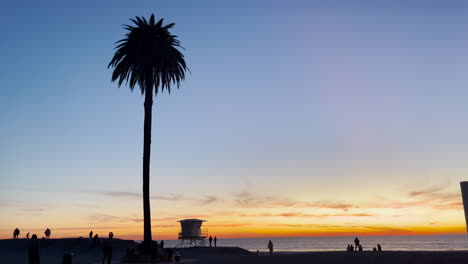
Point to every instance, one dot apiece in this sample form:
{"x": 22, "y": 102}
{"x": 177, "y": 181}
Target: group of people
{"x": 158, "y": 252}
{"x": 212, "y": 240}
{"x": 358, "y": 247}
{"x": 17, "y": 232}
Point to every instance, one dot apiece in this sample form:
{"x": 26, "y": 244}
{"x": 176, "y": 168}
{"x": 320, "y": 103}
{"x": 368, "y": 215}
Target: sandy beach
{"x": 52, "y": 250}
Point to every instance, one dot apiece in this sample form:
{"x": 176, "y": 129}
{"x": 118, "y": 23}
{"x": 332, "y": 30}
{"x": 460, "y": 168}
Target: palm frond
{"x": 148, "y": 49}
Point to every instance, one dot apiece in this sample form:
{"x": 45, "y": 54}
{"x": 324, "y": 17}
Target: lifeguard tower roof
{"x": 191, "y": 228}
{"x": 192, "y": 220}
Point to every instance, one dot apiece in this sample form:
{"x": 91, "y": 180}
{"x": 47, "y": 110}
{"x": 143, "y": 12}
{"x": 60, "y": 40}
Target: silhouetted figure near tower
{"x": 211, "y": 240}
{"x": 91, "y": 234}
{"x": 215, "y": 239}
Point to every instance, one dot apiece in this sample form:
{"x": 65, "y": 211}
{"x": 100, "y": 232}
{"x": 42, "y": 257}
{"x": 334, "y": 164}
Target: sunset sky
{"x": 299, "y": 118}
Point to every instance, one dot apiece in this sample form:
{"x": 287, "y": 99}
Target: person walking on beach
{"x": 107, "y": 249}
{"x": 90, "y": 234}
{"x": 211, "y": 240}
{"x": 215, "y": 241}
{"x": 270, "y": 247}
{"x": 379, "y": 248}
{"x": 34, "y": 251}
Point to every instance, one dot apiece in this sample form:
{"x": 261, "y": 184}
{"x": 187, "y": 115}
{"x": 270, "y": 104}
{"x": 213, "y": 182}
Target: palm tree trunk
{"x": 146, "y": 166}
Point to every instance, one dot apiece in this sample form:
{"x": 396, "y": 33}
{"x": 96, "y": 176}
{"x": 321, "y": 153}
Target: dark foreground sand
{"x": 15, "y": 251}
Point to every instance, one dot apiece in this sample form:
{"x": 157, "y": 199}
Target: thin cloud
{"x": 249, "y": 200}
{"x": 137, "y": 195}
{"x": 208, "y": 200}
{"x": 228, "y": 225}
{"x": 298, "y": 214}
{"x": 436, "y": 198}
{"x": 103, "y": 218}
{"x": 426, "y": 191}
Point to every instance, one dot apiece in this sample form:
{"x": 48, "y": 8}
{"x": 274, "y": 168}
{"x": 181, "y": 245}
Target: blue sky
{"x": 311, "y": 100}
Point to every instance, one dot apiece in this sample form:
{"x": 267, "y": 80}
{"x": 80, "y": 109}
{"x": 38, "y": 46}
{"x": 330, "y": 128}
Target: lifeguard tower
{"x": 191, "y": 234}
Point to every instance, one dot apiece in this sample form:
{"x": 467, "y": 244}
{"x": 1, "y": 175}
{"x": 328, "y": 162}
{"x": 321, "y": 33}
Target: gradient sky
{"x": 299, "y": 118}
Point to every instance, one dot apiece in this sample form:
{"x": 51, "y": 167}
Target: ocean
{"x": 294, "y": 244}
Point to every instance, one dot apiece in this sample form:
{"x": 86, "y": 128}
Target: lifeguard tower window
{"x": 191, "y": 233}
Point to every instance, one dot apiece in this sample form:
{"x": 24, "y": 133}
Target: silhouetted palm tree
{"x": 149, "y": 57}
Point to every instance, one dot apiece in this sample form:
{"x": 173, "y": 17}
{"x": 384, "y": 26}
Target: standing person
{"x": 16, "y": 233}
{"x": 379, "y": 248}
{"x": 34, "y": 251}
{"x": 47, "y": 233}
{"x": 107, "y": 249}
{"x": 211, "y": 240}
{"x": 91, "y": 234}
{"x": 270, "y": 247}
{"x": 356, "y": 242}
{"x": 27, "y": 235}
{"x": 215, "y": 239}
{"x": 162, "y": 244}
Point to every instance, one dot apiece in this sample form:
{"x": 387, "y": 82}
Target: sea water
{"x": 415, "y": 242}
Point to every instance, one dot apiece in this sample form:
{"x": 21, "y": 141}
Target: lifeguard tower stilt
{"x": 191, "y": 234}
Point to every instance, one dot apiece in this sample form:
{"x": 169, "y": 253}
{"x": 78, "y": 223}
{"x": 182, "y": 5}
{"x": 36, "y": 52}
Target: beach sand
{"x": 52, "y": 250}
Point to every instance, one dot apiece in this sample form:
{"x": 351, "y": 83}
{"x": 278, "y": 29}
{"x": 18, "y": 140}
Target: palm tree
{"x": 149, "y": 57}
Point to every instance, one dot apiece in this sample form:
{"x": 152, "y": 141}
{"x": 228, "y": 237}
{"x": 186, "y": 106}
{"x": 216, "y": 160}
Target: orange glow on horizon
{"x": 171, "y": 233}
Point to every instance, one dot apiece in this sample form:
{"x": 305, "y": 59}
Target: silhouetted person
{"x": 96, "y": 240}
{"x": 215, "y": 239}
{"x": 155, "y": 254}
{"x": 27, "y": 235}
{"x": 169, "y": 253}
{"x": 162, "y": 244}
{"x": 351, "y": 248}
{"x": 356, "y": 242}
{"x": 91, "y": 234}
{"x": 34, "y": 251}
{"x": 16, "y": 233}
{"x": 47, "y": 233}
{"x": 379, "y": 248}
{"x": 374, "y": 249}
{"x": 347, "y": 248}
{"x": 360, "y": 248}
{"x": 107, "y": 249}
{"x": 211, "y": 240}
{"x": 270, "y": 247}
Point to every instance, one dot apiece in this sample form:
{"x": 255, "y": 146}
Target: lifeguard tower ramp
{"x": 191, "y": 233}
